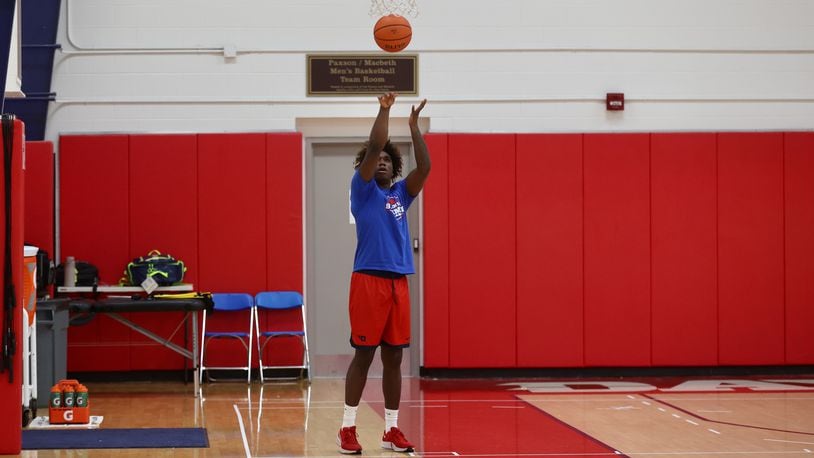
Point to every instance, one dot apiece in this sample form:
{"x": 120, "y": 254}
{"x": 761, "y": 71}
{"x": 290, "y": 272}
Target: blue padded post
{"x": 6, "y": 24}
{"x": 40, "y": 19}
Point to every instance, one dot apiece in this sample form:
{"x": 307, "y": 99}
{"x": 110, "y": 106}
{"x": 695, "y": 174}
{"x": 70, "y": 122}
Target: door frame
{"x": 416, "y": 231}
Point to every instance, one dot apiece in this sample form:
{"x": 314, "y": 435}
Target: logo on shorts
{"x": 362, "y": 338}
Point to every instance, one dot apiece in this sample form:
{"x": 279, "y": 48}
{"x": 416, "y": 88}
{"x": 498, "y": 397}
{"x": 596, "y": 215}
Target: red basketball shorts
{"x": 379, "y": 311}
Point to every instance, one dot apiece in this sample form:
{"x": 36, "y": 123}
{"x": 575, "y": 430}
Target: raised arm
{"x": 415, "y": 180}
{"x": 378, "y": 136}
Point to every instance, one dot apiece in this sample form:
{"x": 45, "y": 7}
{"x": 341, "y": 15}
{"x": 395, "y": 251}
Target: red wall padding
{"x": 540, "y": 250}
{"x": 95, "y": 227}
{"x": 163, "y": 191}
{"x": 436, "y": 249}
{"x": 11, "y": 379}
{"x": 549, "y": 250}
{"x": 163, "y": 169}
{"x": 690, "y": 249}
{"x": 284, "y": 240}
{"x": 684, "y": 249}
{"x": 228, "y": 205}
{"x": 231, "y": 206}
{"x": 617, "y": 250}
{"x": 39, "y": 195}
{"x": 799, "y": 237}
{"x": 284, "y": 211}
{"x": 750, "y": 248}
{"x": 94, "y": 188}
{"x": 482, "y": 261}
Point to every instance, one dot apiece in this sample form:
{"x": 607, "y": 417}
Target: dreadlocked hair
{"x": 389, "y": 148}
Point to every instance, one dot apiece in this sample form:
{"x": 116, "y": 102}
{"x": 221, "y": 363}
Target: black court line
{"x": 741, "y": 425}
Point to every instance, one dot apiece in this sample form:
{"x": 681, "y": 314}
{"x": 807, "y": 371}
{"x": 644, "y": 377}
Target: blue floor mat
{"x": 49, "y": 439}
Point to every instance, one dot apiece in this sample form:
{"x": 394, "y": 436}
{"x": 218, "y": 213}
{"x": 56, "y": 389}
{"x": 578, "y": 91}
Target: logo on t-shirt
{"x": 394, "y": 206}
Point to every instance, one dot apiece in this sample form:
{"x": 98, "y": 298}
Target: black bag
{"x": 164, "y": 269}
{"x": 45, "y": 272}
{"x": 86, "y": 274}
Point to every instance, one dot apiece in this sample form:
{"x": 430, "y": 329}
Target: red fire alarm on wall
{"x": 615, "y": 101}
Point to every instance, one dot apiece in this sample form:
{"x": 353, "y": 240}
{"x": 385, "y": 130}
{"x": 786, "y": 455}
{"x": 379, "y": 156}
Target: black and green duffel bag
{"x": 162, "y": 268}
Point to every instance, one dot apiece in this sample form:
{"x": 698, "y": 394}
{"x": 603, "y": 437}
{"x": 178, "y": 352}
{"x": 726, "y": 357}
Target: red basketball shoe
{"x": 395, "y": 440}
{"x": 347, "y": 441}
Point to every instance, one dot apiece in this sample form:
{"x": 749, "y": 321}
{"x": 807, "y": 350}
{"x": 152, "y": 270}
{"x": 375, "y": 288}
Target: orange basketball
{"x": 392, "y": 33}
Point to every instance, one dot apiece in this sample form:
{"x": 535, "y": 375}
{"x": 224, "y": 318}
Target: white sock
{"x": 391, "y": 419}
{"x": 349, "y": 417}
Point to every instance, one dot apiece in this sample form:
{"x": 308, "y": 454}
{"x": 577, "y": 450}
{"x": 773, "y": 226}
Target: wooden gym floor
{"x": 765, "y": 417}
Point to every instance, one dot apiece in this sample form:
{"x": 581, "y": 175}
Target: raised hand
{"x": 414, "y": 112}
{"x": 387, "y": 99}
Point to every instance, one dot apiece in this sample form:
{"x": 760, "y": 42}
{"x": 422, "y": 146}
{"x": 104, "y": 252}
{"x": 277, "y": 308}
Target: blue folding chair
{"x": 273, "y": 303}
{"x": 236, "y": 305}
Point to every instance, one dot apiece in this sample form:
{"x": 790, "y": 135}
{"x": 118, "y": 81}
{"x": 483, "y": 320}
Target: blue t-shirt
{"x": 382, "y": 232}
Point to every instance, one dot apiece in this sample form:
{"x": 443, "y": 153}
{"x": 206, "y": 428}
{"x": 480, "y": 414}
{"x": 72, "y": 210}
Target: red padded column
{"x": 163, "y": 195}
{"x": 799, "y": 250}
{"x": 684, "y": 232}
{"x": 436, "y": 254}
{"x": 164, "y": 217}
{"x": 284, "y": 238}
{"x": 94, "y": 213}
{"x": 231, "y": 212}
{"x": 11, "y": 381}
{"x": 39, "y": 195}
{"x": 94, "y": 227}
{"x": 750, "y": 248}
{"x": 549, "y": 251}
{"x": 284, "y": 211}
{"x": 617, "y": 250}
{"x": 482, "y": 261}
{"x": 231, "y": 223}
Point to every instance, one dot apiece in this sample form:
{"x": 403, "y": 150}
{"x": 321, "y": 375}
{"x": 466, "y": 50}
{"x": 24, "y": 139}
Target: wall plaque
{"x": 351, "y": 75}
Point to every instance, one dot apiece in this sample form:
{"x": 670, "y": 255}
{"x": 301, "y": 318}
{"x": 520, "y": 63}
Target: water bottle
{"x": 68, "y": 396}
{"x": 81, "y": 396}
{"x": 70, "y": 272}
{"x": 56, "y": 397}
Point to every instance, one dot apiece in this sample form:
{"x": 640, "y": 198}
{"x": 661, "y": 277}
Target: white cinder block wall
{"x": 485, "y": 66}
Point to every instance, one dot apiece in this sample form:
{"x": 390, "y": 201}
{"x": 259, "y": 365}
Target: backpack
{"x": 86, "y": 274}
{"x": 164, "y": 269}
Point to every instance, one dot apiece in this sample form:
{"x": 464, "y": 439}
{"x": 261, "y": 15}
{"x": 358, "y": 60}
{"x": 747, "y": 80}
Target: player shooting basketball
{"x": 379, "y": 304}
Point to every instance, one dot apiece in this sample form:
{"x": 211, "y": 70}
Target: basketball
{"x": 392, "y": 33}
